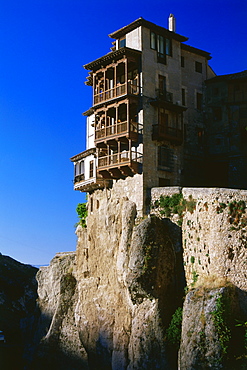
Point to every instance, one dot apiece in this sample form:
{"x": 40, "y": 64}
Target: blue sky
{"x": 43, "y": 45}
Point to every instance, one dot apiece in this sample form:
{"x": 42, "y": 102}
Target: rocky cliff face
{"x": 18, "y": 294}
{"x": 109, "y": 305}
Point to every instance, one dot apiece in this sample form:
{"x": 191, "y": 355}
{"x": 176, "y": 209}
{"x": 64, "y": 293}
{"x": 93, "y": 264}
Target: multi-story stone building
{"x": 145, "y": 127}
{"x": 226, "y": 130}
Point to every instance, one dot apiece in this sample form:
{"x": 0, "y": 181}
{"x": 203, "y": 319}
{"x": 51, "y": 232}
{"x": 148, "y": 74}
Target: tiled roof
{"x": 152, "y": 26}
{"x": 231, "y": 76}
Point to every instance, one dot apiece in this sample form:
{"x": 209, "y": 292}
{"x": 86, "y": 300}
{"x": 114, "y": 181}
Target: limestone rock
{"x": 210, "y": 338}
{"x": 107, "y": 307}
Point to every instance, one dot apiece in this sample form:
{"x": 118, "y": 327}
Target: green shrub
{"x": 176, "y": 204}
{"x": 81, "y": 210}
{"x": 173, "y": 333}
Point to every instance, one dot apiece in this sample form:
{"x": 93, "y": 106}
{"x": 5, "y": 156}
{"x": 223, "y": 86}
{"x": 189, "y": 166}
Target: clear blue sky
{"x": 43, "y": 45}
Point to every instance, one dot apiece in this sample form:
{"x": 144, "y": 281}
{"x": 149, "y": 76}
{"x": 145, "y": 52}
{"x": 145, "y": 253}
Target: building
{"x": 145, "y": 128}
{"x": 226, "y": 130}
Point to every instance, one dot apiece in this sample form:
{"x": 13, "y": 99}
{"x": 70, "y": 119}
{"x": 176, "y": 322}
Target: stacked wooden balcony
{"x": 120, "y": 164}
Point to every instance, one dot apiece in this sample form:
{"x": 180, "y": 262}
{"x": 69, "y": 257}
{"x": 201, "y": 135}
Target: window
{"x": 164, "y": 158}
{"x": 162, "y": 84}
{"x": 91, "y": 169}
{"x": 198, "y": 101}
{"x": 161, "y": 49}
{"x": 163, "y": 117}
{"x": 169, "y": 47}
{"x": 182, "y": 61}
{"x": 198, "y": 67}
{"x": 122, "y": 42}
{"x": 162, "y": 45}
{"x": 153, "y": 41}
{"x": 183, "y": 97}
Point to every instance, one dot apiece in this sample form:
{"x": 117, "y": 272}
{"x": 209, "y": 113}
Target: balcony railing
{"x": 120, "y": 159}
{"x": 120, "y": 128}
{"x": 123, "y": 89}
{"x": 90, "y": 184}
{"x": 163, "y": 132}
{"x": 79, "y": 178}
{"x": 164, "y": 95}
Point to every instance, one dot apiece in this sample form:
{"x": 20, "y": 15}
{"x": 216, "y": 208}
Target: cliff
{"x": 18, "y": 294}
{"x": 110, "y": 305}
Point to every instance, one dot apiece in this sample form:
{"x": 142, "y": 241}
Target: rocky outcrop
{"x": 18, "y": 294}
{"x": 109, "y": 305}
{"x": 115, "y": 299}
{"x": 211, "y": 337}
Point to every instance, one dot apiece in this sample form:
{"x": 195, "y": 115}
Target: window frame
{"x": 162, "y": 45}
{"x": 122, "y": 42}
{"x": 183, "y": 93}
{"x": 198, "y": 67}
{"x": 199, "y": 101}
{"x": 164, "y": 158}
{"x": 91, "y": 169}
{"x": 182, "y": 61}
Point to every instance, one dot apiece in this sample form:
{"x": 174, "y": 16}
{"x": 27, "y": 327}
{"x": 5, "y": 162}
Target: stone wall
{"x": 214, "y": 233}
{"x": 129, "y": 188}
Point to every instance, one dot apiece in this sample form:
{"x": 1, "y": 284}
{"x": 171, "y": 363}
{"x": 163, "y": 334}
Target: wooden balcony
{"x": 128, "y": 129}
{"x": 164, "y": 95}
{"x": 90, "y": 184}
{"x": 119, "y": 90}
{"x": 171, "y": 134}
{"x": 119, "y": 165}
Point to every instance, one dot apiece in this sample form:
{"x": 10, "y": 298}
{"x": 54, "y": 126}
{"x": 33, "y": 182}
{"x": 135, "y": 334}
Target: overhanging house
{"x": 146, "y": 122}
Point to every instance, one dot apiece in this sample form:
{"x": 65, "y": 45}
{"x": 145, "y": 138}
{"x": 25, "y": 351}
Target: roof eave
{"x": 194, "y": 50}
{"x": 152, "y": 26}
{"x": 109, "y": 56}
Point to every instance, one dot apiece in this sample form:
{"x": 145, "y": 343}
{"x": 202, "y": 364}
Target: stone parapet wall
{"x": 214, "y": 233}
{"x": 129, "y": 188}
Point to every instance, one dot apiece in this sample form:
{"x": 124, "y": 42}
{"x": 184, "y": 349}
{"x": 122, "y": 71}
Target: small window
{"x": 164, "y": 158}
{"x": 169, "y": 47}
{"x": 183, "y": 97}
{"x": 162, "y": 84}
{"x": 182, "y": 61}
{"x": 163, "y": 118}
{"x": 91, "y": 169}
{"x": 122, "y": 42}
{"x": 160, "y": 46}
{"x": 198, "y": 67}
{"x": 153, "y": 40}
{"x": 198, "y": 101}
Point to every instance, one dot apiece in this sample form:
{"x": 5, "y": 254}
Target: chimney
{"x": 172, "y": 23}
